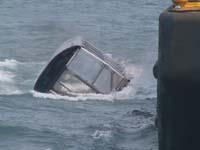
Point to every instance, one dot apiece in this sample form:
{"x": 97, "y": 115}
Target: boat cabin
{"x": 79, "y": 67}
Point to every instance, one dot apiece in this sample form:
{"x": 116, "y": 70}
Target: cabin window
{"x": 116, "y": 79}
{"x": 104, "y": 81}
{"x": 69, "y": 83}
{"x": 85, "y": 66}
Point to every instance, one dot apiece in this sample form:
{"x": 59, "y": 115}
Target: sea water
{"x": 31, "y": 30}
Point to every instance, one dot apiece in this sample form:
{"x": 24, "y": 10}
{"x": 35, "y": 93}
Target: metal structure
{"x": 79, "y": 67}
{"x": 178, "y": 74}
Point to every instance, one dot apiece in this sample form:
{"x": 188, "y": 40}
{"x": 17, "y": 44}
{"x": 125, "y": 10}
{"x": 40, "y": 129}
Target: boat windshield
{"x": 85, "y": 66}
{"x": 93, "y": 71}
{"x": 69, "y": 83}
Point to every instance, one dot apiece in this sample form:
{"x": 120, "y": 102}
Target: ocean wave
{"x": 9, "y": 93}
{"x": 7, "y": 83}
{"x": 78, "y": 97}
{"x": 12, "y": 63}
{"x": 98, "y": 134}
{"x": 6, "y": 76}
{"x": 12, "y": 76}
{"x": 9, "y": 63}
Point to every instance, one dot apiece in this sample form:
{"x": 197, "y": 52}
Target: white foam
{"x": 79, "y": 97}
{"x": 6, "y": 76}
{"x": 9, "y": 63}
{"x": 102, "y": 134}
{"x": 12, "y": 63}
{"x": 8, "y": 85}
{"x": 10, "y": 92}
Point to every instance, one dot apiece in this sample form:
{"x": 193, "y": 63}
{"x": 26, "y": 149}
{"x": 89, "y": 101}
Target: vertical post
{"x": 178, "y": 74}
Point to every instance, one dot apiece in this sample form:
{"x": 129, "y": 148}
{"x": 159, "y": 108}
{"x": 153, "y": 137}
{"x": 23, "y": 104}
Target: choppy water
{"x": 31, "y": 30}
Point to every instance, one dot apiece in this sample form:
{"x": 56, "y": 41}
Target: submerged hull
{"x": 78, "y": 67}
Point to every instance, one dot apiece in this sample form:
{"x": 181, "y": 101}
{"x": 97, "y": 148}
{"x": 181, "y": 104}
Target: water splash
{"x": 7, "y": 81}
{"x": 9, "y": 63}
{"x": 12, "y": 81}
{"x": 6, "y": 76}
{"x": 102, "y": 134}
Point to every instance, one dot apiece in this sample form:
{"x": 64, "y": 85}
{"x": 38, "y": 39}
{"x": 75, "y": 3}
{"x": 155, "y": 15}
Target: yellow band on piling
{"x": 186, "y": 5}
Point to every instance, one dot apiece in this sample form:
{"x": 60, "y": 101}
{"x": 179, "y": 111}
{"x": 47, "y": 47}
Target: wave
{"x": 9, "y": 63}
{"x": 102, "y": 134}
{"x": 6, "y": 76}
{"x": 11, "y": 76}
{"x": 79, "y": 97}
{"x": 12, "y": 63}
{"x": 7, "y": 81}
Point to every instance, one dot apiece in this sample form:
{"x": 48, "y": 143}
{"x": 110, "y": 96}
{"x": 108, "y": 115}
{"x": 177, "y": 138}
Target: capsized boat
{"x": 78, "y": 67}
